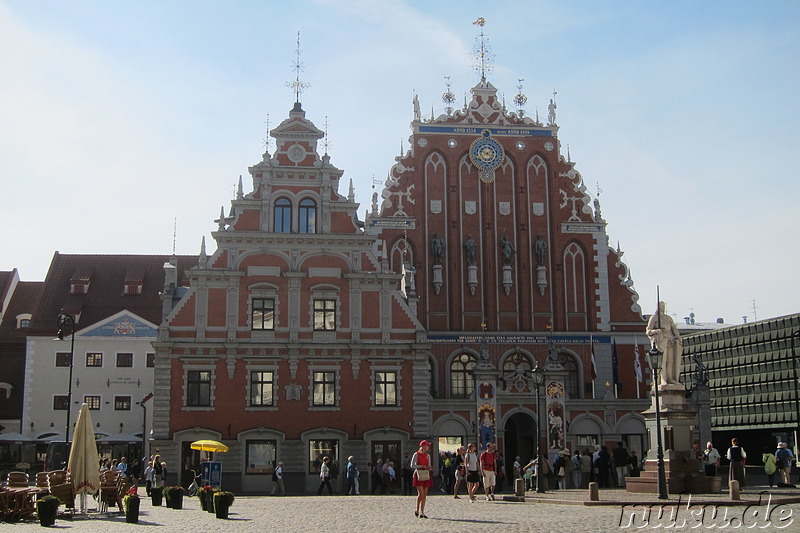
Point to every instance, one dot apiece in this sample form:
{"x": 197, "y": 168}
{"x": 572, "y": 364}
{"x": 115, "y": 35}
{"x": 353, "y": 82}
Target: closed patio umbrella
{"x": 84, "y": 467}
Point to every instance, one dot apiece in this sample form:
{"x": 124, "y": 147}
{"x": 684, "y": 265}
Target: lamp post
{"x": 795, "y": 338}
{"x": 66, "y": 326}
{"x": 652, "y": 360}
{"x": 537, "y": 375}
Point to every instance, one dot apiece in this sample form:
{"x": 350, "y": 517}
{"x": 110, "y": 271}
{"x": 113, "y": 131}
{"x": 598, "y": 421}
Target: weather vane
{"x": 520, "y": 99}
{"x": 448, "y": 97}
{"x": 267, "y": 139}
{"x": 297, "y": 86}
{"x": 326, "y": 144}
{"x": 483, "y": 55}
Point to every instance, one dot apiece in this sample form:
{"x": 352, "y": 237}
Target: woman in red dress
{"x": 423, "y": 480}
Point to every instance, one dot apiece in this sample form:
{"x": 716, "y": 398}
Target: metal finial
{"x": 520, "y": 99}
{"x": 483, "y": 55}
{"x": 267, "y": 140}
{"x": 297, "y": 86}
{"x": 326, "y": 143}
{"x": 599, "y": 190}
{"x": 174, "y": 233}
{"x": 448, "y": 97}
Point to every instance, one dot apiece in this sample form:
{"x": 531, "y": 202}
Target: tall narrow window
{"x": 462, "y": 379}
{"x": 308, "y": 216}
{"x": 261, "y": 384}
{"x": 263, "y": 314}
{"x": 283, "y": 216}
{"x": 324, "y": 315}
{"x": 324, "y": 388}
{"x": 198, "y": 388}
{"x": 385, "y": 388}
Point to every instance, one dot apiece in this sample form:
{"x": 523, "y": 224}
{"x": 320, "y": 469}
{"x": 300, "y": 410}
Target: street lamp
{"x": 66, "y": 326}
{"x": 537, "y": 374}
{"x": 652, "y": 360}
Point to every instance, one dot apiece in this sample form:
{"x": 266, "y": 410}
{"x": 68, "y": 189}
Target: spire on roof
{"x": 482, "y": 52}
{"x": 351, "y": 195}
{"x": 221, "y": 220}
{"x": 239, "y": 190}
{"x": 297, "y": 86}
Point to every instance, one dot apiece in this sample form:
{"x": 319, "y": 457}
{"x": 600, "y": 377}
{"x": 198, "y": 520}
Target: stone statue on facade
{"x": 469, "y": 250}
{"x": 540, "y": 248}
{"x": 437, "y": 249}
{"x": 417, "y": 112}
{"x": 664, "y": 336}
{"x": 507, "y": 250}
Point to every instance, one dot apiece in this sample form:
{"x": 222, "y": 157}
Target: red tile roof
{"x": 106, "y": 276}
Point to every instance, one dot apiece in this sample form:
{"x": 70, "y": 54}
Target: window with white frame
{"x": 93, "y": 401}
{"x": 198, "y": 388}
{"x": 462, "y": 377}
{"x": 324, "y": 314}
{"x": 385, "y": 389}
{"x": 262, "y": 314}
{"x": 261, "y": 388}
{"x": 323, "y": 388}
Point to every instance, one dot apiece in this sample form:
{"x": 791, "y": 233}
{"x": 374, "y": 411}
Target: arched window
{"x": 283, "y": 216}
{"x": 462, "y": 380}
{"x": 571, "y": 379}
{"x": 308, "y": 216}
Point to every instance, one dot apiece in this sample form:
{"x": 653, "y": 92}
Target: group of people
{"x": 155, "y": 471}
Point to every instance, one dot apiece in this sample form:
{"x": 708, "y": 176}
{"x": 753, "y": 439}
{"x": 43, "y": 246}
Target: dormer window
{"x": 134, "y": 280}
{"x": 132, "y": 288}
{"x": 78, "y": 288}
{"x": 24, "y": 320}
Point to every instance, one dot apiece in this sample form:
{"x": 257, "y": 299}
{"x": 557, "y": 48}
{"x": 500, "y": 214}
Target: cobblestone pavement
{"x": 559, "y": 511}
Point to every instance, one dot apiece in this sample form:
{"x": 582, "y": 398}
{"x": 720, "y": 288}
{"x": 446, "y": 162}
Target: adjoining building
{"x": 751, "y": 371}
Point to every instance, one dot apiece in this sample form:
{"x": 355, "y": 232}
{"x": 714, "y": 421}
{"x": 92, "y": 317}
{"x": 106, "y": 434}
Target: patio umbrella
{"x": 16, "y": 438}
{"x": 209, "y": 446}
{"x": 83, "y": 465}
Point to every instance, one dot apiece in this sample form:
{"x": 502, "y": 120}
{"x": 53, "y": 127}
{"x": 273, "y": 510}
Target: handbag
{"x": 423, "y": 475}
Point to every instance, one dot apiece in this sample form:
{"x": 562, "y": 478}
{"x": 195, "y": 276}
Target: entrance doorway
{"x": 190, "y": 460}
{"x": 520, "y": 440}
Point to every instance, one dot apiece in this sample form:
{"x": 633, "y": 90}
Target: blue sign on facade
{"x": 471, "y": 130}
{"x": 124, "y": 326}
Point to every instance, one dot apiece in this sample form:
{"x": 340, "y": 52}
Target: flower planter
{"x": 222, "y": 502}
{"x": 209, "y": 496}
{"x": 221, "y": 511}
{"x": 132, "y": 510}
{"x": 157, "y": 497}
{"x": 174, "y": 497}
{"x": 46, "y": 510}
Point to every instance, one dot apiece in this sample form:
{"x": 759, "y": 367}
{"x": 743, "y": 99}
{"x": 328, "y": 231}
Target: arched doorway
{"x": 520, "y": 440}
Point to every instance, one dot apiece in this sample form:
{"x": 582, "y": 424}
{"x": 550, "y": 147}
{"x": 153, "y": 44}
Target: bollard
{"x": 733, "y": 490}
{"x": 594, "y": 494}
{"x": 519, "y": 487}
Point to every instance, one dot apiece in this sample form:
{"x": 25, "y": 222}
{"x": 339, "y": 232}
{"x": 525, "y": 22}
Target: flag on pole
{"x": 637, "y": 363}
{"x": 615, "y": 368}
{"x": 594, "y": 363}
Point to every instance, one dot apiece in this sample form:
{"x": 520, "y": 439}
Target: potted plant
{"x": 47, "y": 509}
{"x": 204, "y": 499}
{"x": 174, "y": 496}
{"x": 131, "y": 503}
{"x": 156, "y": 495}
{"x": 222, "y": 501}
{"x": 208, "y": 494}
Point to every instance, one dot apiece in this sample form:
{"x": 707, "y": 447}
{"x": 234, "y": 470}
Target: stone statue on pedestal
{"x": 665, "y": 338}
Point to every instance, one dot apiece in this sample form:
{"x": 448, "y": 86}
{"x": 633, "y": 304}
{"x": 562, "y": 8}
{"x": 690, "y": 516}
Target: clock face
{"x": 487, "y": 155}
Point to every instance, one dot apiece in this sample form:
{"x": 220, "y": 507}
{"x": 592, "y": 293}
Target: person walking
{"x": 278, "y": 488}
{"x": 621, "y": 461}
{"x": 488, "y": 471}
{"x": 460, "y": 471}
{"x": 711, "y": 459}
{"x": 738, "y": 458}
{"x": 352, "y": 477}
{"x": 784, "y": 459}
{"x": 769, "y": 465}
{"x": 473, "y": 475}
{"x": 423, "y": 480}
{"x": 325, "y": 476}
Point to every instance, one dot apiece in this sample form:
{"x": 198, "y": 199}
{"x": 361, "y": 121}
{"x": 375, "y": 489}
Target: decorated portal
{"x": 556, "y": 431}
{"x": 487, "y": 409}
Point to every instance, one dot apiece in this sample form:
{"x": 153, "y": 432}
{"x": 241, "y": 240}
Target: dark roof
{"x": 106, "y": 276}
{"x": 6, "y": 276}
{"x": 22, "y": 301}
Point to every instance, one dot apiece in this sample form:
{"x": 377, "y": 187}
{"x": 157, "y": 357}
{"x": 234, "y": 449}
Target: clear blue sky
{"x": 118, "y": 117}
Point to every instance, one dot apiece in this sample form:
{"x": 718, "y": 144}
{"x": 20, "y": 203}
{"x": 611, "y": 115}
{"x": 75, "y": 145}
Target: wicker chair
{"x": 17, "y": 479}
{"x": 112, "y": 487}
{"x": 60, "y": 486}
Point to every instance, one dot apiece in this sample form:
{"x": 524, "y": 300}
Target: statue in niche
{"x": 664, "y": 337}
{"x": 437, "y": 249}
{"x": 417, "y": 112}
{"x": 469, "y": 250}
{"x": 507, "y": 250}
{"x": 551, "y": 113}
{"x": 540, "y": 248}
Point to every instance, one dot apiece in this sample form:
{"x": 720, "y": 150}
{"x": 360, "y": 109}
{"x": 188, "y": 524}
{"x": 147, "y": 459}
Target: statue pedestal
{"x": 507, "y": 279}
{"x": 683, "y": 474}
{"x": 472, "y": 278}
{"x": 437, "y": 278}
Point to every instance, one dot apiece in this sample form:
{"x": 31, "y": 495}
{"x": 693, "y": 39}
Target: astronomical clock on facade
{"x": 481, "y": 266}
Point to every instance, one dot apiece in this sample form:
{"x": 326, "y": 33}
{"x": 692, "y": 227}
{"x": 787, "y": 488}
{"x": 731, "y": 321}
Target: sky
{"x": 124, "y": 126}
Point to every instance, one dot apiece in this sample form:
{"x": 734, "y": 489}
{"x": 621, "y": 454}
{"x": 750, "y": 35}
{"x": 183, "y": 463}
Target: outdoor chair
{"x": 17, "y": 479}
{"x": 60, "y": 486}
